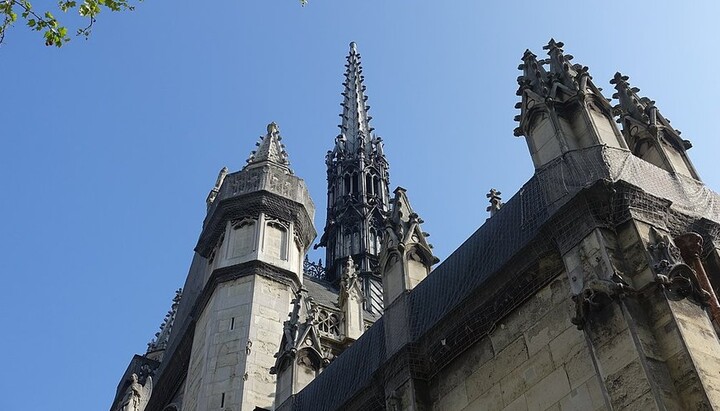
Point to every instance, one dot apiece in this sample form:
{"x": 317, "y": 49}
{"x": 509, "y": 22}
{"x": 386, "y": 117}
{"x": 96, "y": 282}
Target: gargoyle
{"x": 597, "y": 294}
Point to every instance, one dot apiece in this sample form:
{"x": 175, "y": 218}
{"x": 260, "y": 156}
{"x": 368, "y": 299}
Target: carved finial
{"x": 272, "y": 128}
{"x": 554, "y": 46}
{"x": 270, "y": 150}
{"x": 528, "y": 55}
{"x": 216, "y": 188}
{"x": 353, "y": 47}
{"x": 349, "y": 269}
{"x": 495, "y": 201}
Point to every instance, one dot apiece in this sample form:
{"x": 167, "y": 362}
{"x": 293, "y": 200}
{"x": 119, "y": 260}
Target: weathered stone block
{"x": 520, "y": 404}
{"x": 579, "y": 367}
{"x": 526, "y": 375}
{"x": 578, "y": 399}
{"x": 521, "y": 319}
{"x": 548, "y": 327}
{"x": 616, "y": 353}
{"x": 646, "y": 402}
{"x": 698, "y": 338}
{"x": 456, "y": 399}
{"x": 491, "y": 373}
{"x": 566, "y": 345}
{"x": 491, "y": 400}
{"x": 548, "y": 391}
{"x": 458, "y": 371}
{"x": 626, "y": 385}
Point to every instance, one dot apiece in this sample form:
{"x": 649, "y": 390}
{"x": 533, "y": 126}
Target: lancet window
{"x": 276, "y": 239}
{"x": 243, "y": 236}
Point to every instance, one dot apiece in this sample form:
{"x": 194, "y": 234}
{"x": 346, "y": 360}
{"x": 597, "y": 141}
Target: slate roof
{"x": 492, "y": 246}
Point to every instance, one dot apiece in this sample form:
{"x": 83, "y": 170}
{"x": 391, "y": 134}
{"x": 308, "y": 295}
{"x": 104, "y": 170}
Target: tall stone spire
{"x": 355, "y": 125}
{"x": 358, "y": 194}
{"x": 648, "y": 134}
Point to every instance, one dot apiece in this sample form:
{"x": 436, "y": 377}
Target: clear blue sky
{"x": 110, "y": 145}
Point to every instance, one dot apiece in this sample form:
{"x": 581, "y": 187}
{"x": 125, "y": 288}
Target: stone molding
{"x": 252, "y": 204}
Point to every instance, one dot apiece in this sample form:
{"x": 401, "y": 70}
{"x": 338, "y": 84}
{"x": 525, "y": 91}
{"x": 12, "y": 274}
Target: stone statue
{"x": 378, "y": 142}
{"x": 340, "y": 142}
{"x": 137, "y": 395}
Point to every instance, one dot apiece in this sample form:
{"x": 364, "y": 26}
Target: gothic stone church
{"x": 594, "y": 287}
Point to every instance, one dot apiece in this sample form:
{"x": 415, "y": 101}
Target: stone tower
{"x": 256, "y": 233}
{"x": 358, "y": 197}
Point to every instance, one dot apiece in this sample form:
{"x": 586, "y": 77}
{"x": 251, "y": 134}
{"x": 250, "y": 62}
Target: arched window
{"x": 347, "y": 243}
{"x": 355, "y": 242}
{"x": 347, "y": 183}
{"x": 368, "y": 185}
{"x": 242, "y": 237}
{"x": 355, "y": 183}
{"x": 329, "y": 323}
{"x": 276, "y": 240}
{"x": 373, "y": 241}
{"x": 216, "y": 249}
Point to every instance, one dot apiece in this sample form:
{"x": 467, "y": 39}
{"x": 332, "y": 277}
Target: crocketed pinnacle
{"x": 163, "y": 336}
{"x": 269, "y": 151}
{"x": 642, "y": 109}
{"x": 355, "y": 130}
{"x": 550, "y": 80}
{"x": 630, "y": 104}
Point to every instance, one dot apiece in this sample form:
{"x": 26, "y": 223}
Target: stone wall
{"x": 270, "y": 308}
{"x": 535, "y": 359}
{"x": 235, "y": 339}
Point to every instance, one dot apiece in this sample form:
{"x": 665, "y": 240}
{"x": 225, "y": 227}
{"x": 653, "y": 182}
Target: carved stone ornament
{"x": 495, "y": 201}
{"x": 163, "y": 336}
{"x": 136, "y": 395}
{"x": 403, "y": 232}
{"x": 216, "y": 188}
{"x": 394, "y": 402}
{"x": 676, "y": 277}
{"x": 313, "y": 269}
{"x": 301, "y": 337}
{"x": 350, "y": 287}
{"x": 596, "y": 295}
